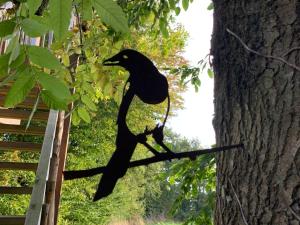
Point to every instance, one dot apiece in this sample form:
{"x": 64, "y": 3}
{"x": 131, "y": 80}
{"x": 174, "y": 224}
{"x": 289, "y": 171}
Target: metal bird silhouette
{"x": 146, "y": 82}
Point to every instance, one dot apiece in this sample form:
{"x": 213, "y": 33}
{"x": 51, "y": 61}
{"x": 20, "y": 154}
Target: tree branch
{"x": 42, "y": 7}
{"x": 290, "y": 51}
{"x": 265, "y": 56}
{"x": 238, "y": 201}
{"x": 75, "y": 174}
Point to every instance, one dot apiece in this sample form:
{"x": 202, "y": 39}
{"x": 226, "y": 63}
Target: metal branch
{"x": 238, "y": 201}
{"x": 262, "y": 55}
{"x": 70, "y": 175}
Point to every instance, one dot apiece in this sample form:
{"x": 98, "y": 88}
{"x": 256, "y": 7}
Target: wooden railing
{"x": 38, "y": 197}
{"x": 45, "y": 192}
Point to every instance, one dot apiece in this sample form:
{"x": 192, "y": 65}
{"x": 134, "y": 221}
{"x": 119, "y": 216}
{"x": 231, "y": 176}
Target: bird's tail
{"x": 106, "y": 186}
{"x": 115, "y": 169}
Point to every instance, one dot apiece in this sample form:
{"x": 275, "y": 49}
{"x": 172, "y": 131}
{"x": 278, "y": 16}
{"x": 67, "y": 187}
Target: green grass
{"x": 165, "y": 223}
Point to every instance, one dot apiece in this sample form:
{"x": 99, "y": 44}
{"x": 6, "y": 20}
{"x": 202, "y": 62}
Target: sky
{"x": 195, "y": 121}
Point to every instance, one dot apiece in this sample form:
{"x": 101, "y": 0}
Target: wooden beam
{"x": 18, "y": 166}
{"x": 13, "y": 129}
{"x": 10, "y": 121}
{"x": 54, "y": 164}
{"x": 62, "y": 161}
{"x": 33, "y": 93}
{"x": 28, "y": 103}
{"x": 12, "y": 220}
{"x": 34, "y": 212}
{"x": 23, "y": 114}
{"x": 16, "y": 190}
{"x": 20, "y": 146}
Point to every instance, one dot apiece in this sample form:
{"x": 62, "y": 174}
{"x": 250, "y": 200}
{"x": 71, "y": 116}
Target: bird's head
{"x": 128, "y": 59}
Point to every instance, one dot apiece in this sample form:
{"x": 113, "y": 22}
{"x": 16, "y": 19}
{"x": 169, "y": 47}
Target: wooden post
{"x": 62, "y": 160}
{"x": 54, "y": 163}
{"x": 34, "y": 212}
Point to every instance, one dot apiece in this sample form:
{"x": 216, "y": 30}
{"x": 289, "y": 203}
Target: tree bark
{"x": 257, "y": 102}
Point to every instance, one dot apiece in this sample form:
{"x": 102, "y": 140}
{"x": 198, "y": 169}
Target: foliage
{"x": 96, "y": 35}
{"x": 16, "y": 204}
{"x": 187, "y": 188}
{"x": 197, "y": 189}
{"x": 20, "y": 58}
{"x": 190, "y": 74}
{"x": 210, "y": 6}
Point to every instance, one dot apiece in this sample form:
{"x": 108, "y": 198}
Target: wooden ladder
{"x": 45, "y": 192}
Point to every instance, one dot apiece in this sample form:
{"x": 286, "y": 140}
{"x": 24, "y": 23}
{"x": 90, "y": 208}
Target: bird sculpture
{"x": 148, "y": 84}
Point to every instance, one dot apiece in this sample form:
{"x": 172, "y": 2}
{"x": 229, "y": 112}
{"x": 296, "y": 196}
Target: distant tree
{"x": 187, "y": 188}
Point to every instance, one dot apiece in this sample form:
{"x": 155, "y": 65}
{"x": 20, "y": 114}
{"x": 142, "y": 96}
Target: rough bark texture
{"x": 257, "y": 102}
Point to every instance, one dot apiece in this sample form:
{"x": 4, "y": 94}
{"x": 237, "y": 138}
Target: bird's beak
{"x": 113, "y": 61}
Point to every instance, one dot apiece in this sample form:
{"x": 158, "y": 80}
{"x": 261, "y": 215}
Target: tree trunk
{"x": 257, "y": 102}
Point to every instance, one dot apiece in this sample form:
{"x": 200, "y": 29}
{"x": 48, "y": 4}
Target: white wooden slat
{"x": 34, "y": 212}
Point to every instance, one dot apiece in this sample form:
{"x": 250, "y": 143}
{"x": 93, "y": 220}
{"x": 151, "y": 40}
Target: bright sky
{"x": 195, "y": 121}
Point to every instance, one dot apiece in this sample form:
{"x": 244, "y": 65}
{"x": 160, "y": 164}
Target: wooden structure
{"x": 54, "y": 128}
{"x": 45, "y": 193}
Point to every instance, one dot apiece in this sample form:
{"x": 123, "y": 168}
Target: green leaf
{"x": 33, "y": 28}
{"x": 60, "y": 17}
{"x": 210, "y": 73}
{"x": 87, "y": 12}
{"x": 111, "y": 13}
{"x": 53, "y": 102}
{"x": 177, "y": 11}
{"x": 83, "y": 114}
{"x": 65, "y": 59}
{"x": 171, "y": 180}
{"x": 89, "y": 103}
{"x": 185, "y": 4}
{"x": 4, "y": 64}
{"x": 14, "y": 48}
{"x": 172, "y": 4}
{"x": 7, "y": 27}
{"x": 163, "y": 28}
{"x": 43, "y": 57}
{"x": 210, "y": 6}
{"x": 33, "y": 5}
{"x": 58, "y": 90}
{"x": 75, "y": 118}
{"x": 19, "y": 90}
{"x": 19, "y": 60}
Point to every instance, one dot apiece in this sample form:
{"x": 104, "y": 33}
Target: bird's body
{"x": 151, "y": 87}
{"x": 126, "y": 143}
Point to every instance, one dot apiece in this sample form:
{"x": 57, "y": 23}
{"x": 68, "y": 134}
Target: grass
{"x": 140, "y": 221}
{"x": 165, "y": 223}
